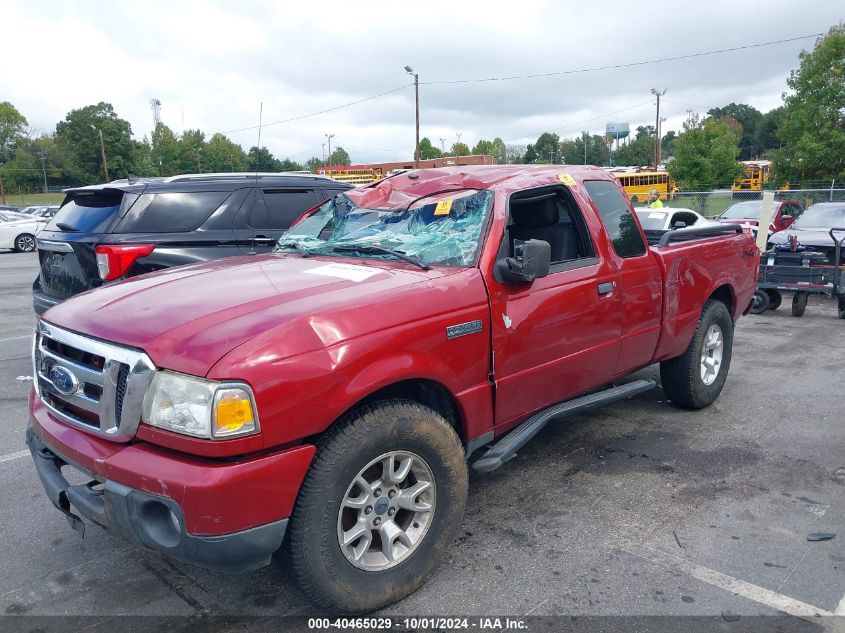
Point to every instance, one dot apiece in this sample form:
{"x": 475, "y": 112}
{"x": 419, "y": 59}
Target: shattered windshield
{"x": 443, "y": 229}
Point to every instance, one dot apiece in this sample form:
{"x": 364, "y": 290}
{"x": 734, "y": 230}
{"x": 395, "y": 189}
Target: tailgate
{"x": 68, "y": 264}
{"x": 66, "y": 245}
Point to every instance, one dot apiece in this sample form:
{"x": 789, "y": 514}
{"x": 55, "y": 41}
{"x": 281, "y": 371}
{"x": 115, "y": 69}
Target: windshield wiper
{"x": 67, "y": 227}
{"x": 377, "y": 248}
{"x": 296, "y": 245}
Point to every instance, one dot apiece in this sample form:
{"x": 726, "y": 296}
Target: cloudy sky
{"x": 212, "y": 62}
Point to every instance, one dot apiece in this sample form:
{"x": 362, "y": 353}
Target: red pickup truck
{"x": 335, "y": 392}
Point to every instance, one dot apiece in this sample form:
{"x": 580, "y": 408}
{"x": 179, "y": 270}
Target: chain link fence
{"x": 713, "y": 203}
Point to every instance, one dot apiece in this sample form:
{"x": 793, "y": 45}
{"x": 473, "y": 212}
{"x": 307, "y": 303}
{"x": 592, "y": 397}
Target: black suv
{"x": 125, "y": 228}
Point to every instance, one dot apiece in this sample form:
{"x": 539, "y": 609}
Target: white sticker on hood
{"x": 343, "y": 271}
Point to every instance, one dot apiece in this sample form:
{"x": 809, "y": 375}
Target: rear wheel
{"x": 799, "y": 304}
{"x": 25, "y": 243}
{"x": 775, "y": 298}
{"x": 382, "y": 502}
{"x": 760, "y": 302}
{"x": 695, "y": 379}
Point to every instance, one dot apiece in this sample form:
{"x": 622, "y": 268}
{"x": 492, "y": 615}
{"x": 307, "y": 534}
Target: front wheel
{"x": 25, "y": 243}
{"x": 381, "y": 504}
{"x": 695, "y": 379}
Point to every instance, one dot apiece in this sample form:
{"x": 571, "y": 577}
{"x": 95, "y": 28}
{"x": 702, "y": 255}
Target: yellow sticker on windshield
{"x": 566, "y": 179}
{"x": 443, "y": 207}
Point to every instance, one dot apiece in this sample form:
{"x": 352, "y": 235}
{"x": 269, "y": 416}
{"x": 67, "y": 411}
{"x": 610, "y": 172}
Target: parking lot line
{"x": 728, "y": 583}
{"x": 10, "y": 456}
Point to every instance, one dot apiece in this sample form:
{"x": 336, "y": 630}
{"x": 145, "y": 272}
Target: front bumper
{"x": 149, "y": 520}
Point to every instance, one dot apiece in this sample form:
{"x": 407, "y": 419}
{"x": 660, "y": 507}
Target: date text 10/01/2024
{"x": 422, "y": 623}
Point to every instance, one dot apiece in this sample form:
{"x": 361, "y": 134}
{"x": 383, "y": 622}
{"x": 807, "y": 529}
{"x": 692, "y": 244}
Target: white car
{"x": 669, "y": 218}
{"x": 19, "y": 235}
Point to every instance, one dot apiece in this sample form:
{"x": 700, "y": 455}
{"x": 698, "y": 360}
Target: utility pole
{"x": 657, "y": 94}
{"x": 199, "y": 166}
{"x": 2, "y": 191}
{"x": 410, "y": 71}
{"x": 329, "y": 137}
{"x": 41, "y": 156}
{"x": 442, "y": 146}
{"x": 103, "y": 155}
{"x": 584, "y": 138}
{"x": 324, "y": 154}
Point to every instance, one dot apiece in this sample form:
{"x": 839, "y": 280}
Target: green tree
{"x": 637, "y": 152}
{"x": 290, "y": 165}
{"x": 705, "y": 155}
{"x": 222, "y": 155}
{"x": 530, "y": 154}
{"x": 262, "y": 160}
{"x": 427, "y": 150}
{"x": 499, "y": 150}
{"x": 340, "y": 157}
{"x": 78, "y": 137}
{"x": 813, "y": 126}
{"x": 749, "y": 118}
{"x": 312, "y": 163}
{"x": 768, "y": 131}
{"x": 164, "y": 151}
{"x": 12, "y": 129}
{"x": 547, "y": 147}
{"x": 483, "y": 147}
{"x": 192, "y": 159}
{"x": 572, "y": 150}
{"x": 667, "y": 145}
{"x": 459, "y": 149}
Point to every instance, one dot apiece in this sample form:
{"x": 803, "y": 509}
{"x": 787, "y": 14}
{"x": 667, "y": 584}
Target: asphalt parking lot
{"x": 635, "y": 509}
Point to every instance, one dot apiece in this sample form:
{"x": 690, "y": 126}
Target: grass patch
{"x": 33, "y": 199}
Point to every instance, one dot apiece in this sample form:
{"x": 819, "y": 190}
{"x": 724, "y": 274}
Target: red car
{"x": 333, "y": 393}
{"x": 748, "y": 212}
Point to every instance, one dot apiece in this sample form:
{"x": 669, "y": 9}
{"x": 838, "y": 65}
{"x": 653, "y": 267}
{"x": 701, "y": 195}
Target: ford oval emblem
{"x": 63, "y": 380}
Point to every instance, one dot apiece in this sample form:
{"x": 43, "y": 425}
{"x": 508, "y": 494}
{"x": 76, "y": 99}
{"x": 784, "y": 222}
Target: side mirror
{"x": 679, "y": 225}
{"x": 531, "y": 260}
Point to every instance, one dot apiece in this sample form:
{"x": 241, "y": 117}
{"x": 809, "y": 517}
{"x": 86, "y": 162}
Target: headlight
{"x": 201, "y": 408}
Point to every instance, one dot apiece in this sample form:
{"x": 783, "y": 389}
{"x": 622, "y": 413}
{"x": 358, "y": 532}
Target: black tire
{"x": 681, "y": 376}
{"x": 319, "y": 565}
{"x": 760, "y": 302}
{"x": 775, "y": 298}
{"x": 799, "y": 304}
{"x": 842, "y": 306}
{"x": 25, "y": 243}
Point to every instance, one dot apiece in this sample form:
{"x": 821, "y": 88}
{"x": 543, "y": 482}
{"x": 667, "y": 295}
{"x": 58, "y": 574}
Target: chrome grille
{"x": 102, "y": 387}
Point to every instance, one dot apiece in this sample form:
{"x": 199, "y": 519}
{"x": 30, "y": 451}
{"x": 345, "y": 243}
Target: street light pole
{"x": 41, "y": 156}
{"x": 410, "y": 71}
{"x": 657, "y": 94}
{"x": 329, "y": 138}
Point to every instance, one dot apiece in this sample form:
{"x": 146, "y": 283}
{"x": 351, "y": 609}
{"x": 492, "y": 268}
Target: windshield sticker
{"x": 344, "y": 271}
{"x": 443, "y": 207}
{"x": 566, "y": 179}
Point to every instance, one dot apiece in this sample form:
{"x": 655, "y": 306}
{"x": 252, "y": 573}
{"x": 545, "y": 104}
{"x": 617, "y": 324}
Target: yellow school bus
{"x": 638, "y": 184}
{"x": 755, "y": 174}
{"x": 352, "y": 174}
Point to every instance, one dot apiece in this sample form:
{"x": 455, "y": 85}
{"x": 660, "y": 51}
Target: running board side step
{"x": 506, "y": 448}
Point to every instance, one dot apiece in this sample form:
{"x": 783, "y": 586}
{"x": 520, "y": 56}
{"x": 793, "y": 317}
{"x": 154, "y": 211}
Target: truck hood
{"x": 188, "y": 317}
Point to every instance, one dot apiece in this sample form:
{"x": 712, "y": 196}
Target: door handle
{"x": 606, "y": 287}
{"x": 263, "y": 239}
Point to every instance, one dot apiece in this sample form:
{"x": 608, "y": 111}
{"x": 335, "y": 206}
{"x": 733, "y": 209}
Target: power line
{"x": 624, "y": 65}
{"x": 332, "y": 109}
